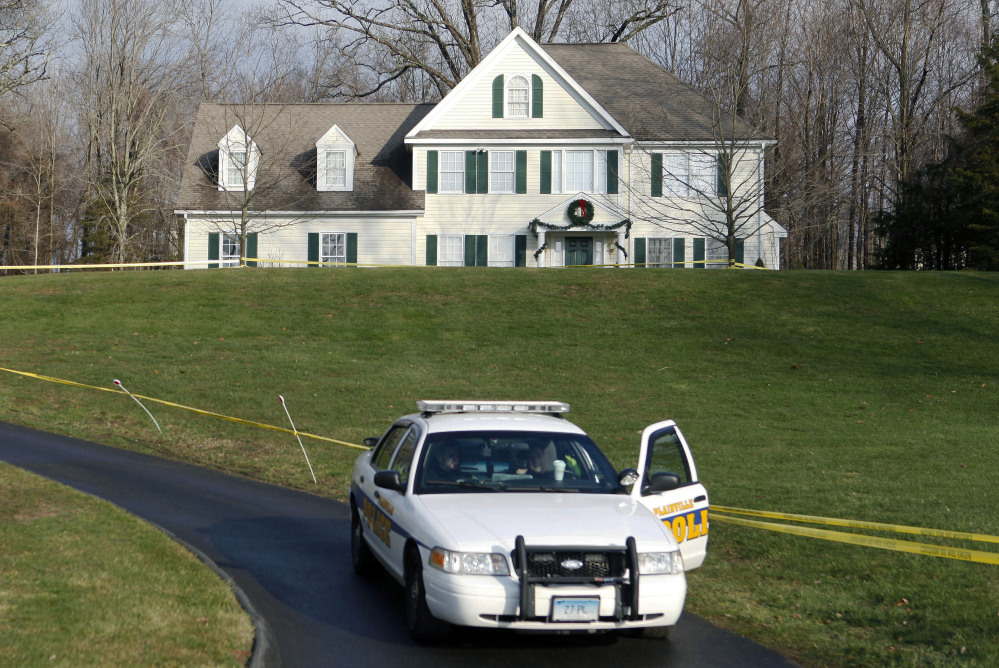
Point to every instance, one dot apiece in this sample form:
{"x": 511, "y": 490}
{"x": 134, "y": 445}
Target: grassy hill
{"x": 866, "y": 396}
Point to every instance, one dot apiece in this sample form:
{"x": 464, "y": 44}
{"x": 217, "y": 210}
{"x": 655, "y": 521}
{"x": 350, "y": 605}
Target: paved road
{"x": 288, "y": 552}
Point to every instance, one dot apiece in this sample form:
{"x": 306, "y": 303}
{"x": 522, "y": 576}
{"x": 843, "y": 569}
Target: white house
{"x": 543, "y": 156}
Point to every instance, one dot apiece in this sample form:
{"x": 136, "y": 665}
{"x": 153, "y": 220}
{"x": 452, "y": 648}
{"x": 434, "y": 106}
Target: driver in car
{"x": 446, "y": 463}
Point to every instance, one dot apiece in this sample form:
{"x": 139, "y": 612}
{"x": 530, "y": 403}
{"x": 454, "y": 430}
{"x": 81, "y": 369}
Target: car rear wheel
{"x": 422, "y": 625}
{"x": 361, "y": 557}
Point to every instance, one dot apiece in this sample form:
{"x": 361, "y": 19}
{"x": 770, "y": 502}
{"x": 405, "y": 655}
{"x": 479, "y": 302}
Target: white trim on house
{"x": 517, "y": 37}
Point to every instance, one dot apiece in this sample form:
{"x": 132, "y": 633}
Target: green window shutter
{"x": 431, "y": 250}
{"x": 740, "y": 251}
{"x": 722, "y": 176}
{"x": 251, "y": 248}
{"x": 431, "y": 172}
{"x": 470, "y": 171}
{"x": 482, "y": 173}
{"x": 546, "y": 172}
{"x": 498, "y": 97}
{"x": 537, "y": 97}
{"x": 352, "y": 248}
{"x": 314, "y": 248}
{"x": 611, "y": 172}
{"x": 639, "y": 251}
{"x": 469, "y": 250}
{"x": 678, "y": 252}
{"x": 213, "y": 249}
{"x": 699, "y": 253}
{"x": 520, "y": 250}
{"x": 521, "y": 176}
{"x": 482, "y": 250}
{"x": 657, "y": 174}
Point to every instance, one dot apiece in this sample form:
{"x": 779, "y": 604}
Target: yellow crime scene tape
{"x": 199, "y": 411}
{"x": 912, "y": 547}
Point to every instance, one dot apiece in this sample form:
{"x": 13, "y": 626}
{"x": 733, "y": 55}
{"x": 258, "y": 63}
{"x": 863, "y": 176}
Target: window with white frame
{"x": 501, "y": 250}
{"x": 238, "y": 160}
{"x": 579, "y": 171}
{"x": 690, "y": 175}
{"x": 333, "y": 248}
{"x": 335, "y": 173}
{"x": 451, "y": 250}
{"x": 501, "y": 172}
{"x": 659, "y": 253}
{"x": 452, "y": 172}
{"x": 229, "y": 251}
{"x": 715, "y": 254}
{"x": 518, "y": 97}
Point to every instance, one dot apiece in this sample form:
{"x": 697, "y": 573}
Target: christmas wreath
{"x": 580, "y": 212}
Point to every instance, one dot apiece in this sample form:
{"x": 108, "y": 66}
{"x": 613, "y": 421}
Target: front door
{"x": 684, "y": 507}
{"x": 578, "y": 251}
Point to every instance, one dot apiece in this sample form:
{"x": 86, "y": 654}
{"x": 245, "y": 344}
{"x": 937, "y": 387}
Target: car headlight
{"x": 660, "y": 563}
{"x": 469, "y": 563}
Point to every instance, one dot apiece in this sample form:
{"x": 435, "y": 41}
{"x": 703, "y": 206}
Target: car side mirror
{"x": 662, "y": 482}
{"x": 371, "y": 441}
{"x": 627, "y": 477}
{"x": 390, "y": 480}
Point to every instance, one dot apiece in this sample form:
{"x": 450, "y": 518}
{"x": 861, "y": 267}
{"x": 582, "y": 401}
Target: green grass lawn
{"x": 83, "y": 583}
{"x": 869, "y": 396}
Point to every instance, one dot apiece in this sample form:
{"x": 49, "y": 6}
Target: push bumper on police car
{"x": 565, "y": 589}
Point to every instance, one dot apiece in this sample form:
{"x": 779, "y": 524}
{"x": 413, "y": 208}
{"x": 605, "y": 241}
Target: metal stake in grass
{"x": 299, "y": 439}
{"x": 136, "y": 400}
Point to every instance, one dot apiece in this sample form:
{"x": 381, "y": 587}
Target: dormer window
{"x": 238, "y": 161}
{"x": 518, "y": 96}
{"x": 335, "y": 154}
{"x": 518, "y": 104}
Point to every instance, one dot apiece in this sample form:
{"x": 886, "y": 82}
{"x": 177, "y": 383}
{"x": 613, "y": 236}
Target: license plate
{"x": 575, "y": 609}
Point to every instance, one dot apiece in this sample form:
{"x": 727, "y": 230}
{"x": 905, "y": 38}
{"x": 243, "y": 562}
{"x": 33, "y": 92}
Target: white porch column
{"x": 541, "y": 244}
{"x": 623, "y": 243}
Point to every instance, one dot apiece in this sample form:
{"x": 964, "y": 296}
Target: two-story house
{"x": 543, "y": 156}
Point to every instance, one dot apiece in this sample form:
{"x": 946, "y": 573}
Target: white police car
{"x": 506, "y": 515}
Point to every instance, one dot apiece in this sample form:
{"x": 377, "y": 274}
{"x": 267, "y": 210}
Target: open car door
{"x": 669, "y": 487}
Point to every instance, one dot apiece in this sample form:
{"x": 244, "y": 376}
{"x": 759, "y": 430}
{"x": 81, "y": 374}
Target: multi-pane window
{"x": 452, "y": 171}
{"x": 451, "y": 250}
{"x": 333, "y": 248}
{"x": 236, "y": 169}
{"x": 501, "y": 171}
{"x": 716, "y": 254}
{"x": 500, "y": 250}
{"x": 688, "y": 175}
{"x": 229, "y": 252}
{"x": 336, "y": 169}
{"x": 659, "y": 253}
{"x": 518, "y": 93}
{"x": 579, "y": 171}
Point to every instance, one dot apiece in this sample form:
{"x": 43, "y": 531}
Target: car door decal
{"x": 377, "y": 521}
{"x": 686, "y": 526}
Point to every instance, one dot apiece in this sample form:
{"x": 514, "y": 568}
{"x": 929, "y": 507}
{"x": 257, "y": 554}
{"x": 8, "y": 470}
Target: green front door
{"x": 578, "y": 251}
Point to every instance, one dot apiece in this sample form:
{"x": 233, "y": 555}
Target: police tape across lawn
{"x": 719, "y": 513}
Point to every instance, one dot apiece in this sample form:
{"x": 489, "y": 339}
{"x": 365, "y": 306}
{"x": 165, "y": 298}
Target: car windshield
{"x": 513, "y": 461}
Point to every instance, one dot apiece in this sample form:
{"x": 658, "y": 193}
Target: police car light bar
{"x": 549, "y": 407}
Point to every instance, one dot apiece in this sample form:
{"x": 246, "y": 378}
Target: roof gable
{"x": 567, "y": 105}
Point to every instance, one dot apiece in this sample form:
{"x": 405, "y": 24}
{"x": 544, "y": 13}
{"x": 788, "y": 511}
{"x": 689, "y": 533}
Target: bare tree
{"x": 24, "y": 51}
{"x": 128, "y": 77}
{"x": 444, "y": 40}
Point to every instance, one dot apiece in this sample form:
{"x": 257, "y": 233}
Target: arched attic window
{"x": 515, "y": 97}
{"x": 335, "y": 154}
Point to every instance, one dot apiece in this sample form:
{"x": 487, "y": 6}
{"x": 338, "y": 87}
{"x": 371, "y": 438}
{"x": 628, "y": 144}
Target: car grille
{"x": 573, "y": 564}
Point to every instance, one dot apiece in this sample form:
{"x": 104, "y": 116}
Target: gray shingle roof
{"x": 649, "y": 102}
{"x": 286, "y": 135}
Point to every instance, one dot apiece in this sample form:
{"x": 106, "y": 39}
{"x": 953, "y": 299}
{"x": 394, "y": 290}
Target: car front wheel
{"x": 422, "y": 625}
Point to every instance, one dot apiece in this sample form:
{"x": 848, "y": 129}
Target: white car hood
{"x": 492, "y": 522}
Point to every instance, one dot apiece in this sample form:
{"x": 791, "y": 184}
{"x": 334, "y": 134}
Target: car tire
{"x": 422, "y": 625}
{"x": 361, "y": 557}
